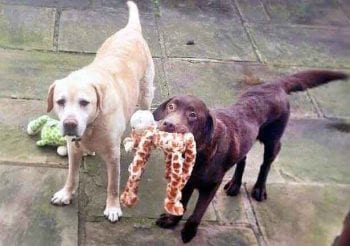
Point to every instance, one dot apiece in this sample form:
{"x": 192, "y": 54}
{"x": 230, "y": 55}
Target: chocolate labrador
{"x": 225, "y": 136}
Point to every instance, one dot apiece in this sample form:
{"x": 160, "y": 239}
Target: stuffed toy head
{"x": 141, "y": 120}
{"x": 180, "y": 153}
{"x": 50, "y": 133}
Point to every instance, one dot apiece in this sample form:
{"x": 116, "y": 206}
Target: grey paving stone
{"x": 151, "y": 191}
{"x": 306, "y": 12}
{"x": 345, "y": 6}
{"x": 145, "y": 232}
{"x": 16, "y": 145}
{"x": 27, "y": 27}
{"x": 80, "y": 4}
{"x": 296, "y": 214}
{"x": 86, "y": 30}
{"x": 334, "y": 99}
{"x": 145, "y": 6}
{"x": 252, "y": 10}
{"x": 27, "y": 217}
{"x": 316, "y": 151}
{"x": 215, "y": 30}
{"x": 230, "y": 210}
{"x": 220, "y": 84}
{"x": 297, "y": 45}
{"x": 29, "y": 74}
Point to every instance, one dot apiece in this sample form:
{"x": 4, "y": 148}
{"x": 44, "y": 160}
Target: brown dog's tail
{"x": 309, "y": 79}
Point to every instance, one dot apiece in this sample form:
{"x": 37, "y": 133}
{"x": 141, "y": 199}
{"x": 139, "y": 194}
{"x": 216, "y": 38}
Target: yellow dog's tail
{"x": 134, "y": 19}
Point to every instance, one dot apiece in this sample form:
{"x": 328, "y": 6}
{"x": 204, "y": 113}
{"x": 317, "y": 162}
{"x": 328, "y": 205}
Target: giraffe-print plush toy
{"x": 180, "y": 154}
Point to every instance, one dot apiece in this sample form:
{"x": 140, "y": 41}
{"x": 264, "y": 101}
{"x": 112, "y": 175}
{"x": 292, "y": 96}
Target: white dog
{"x": 95, "y": 103}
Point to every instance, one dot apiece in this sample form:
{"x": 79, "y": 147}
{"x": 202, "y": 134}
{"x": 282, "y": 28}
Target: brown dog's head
{"x": 186, "y": 114}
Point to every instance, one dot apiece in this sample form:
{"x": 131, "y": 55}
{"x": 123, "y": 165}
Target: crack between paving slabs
{"x": 252, "y": 217}
{"x": 315, "y": 105}
{"x": 165, "y": 91}
{"x": 245, "y": 26}
{"x": 56, "y": 29}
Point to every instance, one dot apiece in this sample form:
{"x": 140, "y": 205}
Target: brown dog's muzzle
{"x": 168, "y": 126}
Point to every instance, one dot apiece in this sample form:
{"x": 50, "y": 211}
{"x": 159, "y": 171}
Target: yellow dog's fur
{"x": 119, "y": 78}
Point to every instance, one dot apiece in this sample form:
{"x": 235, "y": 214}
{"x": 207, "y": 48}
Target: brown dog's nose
{"x": 70, "y": 126}
{"x": 168, "y": 126}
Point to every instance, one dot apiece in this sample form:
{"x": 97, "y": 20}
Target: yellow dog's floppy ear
{"x": 100, "y": 91}
{"x": 50, "y": 97}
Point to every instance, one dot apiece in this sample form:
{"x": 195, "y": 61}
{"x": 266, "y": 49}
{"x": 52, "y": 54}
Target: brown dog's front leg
{"x": 169, "y": 221}
{"x": 190, "y": 229}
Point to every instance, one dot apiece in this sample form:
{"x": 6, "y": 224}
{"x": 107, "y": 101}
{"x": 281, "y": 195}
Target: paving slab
{"x": 146, "y": 233}
{"x": 302, "y": 46}
{"x": 212, "y": 26}
{"x": 80, "y": 4}
{"x": 26, "y": 74}
{"x": 145, "y": 6}
{"x": 298, "y": 214}
{"x": 316, "y": 151}
{"x": 86, "y": 30}
{"x": 345, "y": 6}
{"x": 151, "y": 191}
{"x": 303, "y": 12}
{"x": 333, "y": 99}
{"x": 220, "y": 84}
{"x": 17, "y": 146}
{"x": 27, "y": 217}
{"x": 230, "y": 210}
{"x": 27, "y": 27}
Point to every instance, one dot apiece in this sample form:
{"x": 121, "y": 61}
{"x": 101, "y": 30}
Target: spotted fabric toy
{"x": 50, "y": 133}
{"x": 180, "y": 154}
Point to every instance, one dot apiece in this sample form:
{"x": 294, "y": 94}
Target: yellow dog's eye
{"x": 83, "y": 103}
{"x": 61, "y": 102}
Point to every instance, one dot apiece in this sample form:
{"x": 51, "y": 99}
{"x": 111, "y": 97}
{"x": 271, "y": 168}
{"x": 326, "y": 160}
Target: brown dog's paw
{"x": 168, "y": 221}
{"x": 231, "y": 188}
{"x": 259, "y": 193}
{"x": 189, "y": 231}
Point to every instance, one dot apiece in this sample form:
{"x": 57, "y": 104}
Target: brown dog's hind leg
{"x": 233, "y": 187}
{"x": 270, "y": 136}
{"x": 259, "y": 190}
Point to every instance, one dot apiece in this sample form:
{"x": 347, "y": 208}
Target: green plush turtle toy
{"x": 50, "y": 133}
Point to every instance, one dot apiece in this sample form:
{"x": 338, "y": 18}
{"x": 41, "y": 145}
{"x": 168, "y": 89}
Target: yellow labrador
{"x": 95, "y": 103}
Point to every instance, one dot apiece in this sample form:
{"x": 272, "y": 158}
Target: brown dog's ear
{"x": 209, "y": 128}
{"x": 160, "y": 112}
{"x": 50, "y": 97}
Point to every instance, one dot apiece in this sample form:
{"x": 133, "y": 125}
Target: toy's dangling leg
{"x": 167, "y": 166}
{"x": 172, "y": 203}
{"x": 190, "y": 157}
{"x": 35, "y": 125}
{"x": 129, "y": 196}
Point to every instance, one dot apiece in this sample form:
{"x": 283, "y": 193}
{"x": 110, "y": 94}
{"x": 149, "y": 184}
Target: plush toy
{"x": 50, "y": 133}
{"x": 180, "y": 154}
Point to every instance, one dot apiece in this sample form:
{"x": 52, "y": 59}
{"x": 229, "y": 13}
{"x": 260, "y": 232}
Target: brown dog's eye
{"x": 193, "y": 115}
{"x": 171, "y": 107}
{"x": 83, "y": 103}
{"x": 61, "y": 102}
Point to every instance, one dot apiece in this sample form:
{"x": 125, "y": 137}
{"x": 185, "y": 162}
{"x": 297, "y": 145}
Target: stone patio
{"x": 309, "y": 184}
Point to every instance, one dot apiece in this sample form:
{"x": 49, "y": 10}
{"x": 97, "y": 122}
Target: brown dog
{"x": 224, "y": 137}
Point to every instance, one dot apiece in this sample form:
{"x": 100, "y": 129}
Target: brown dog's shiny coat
{"x": 225, "y": 136}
